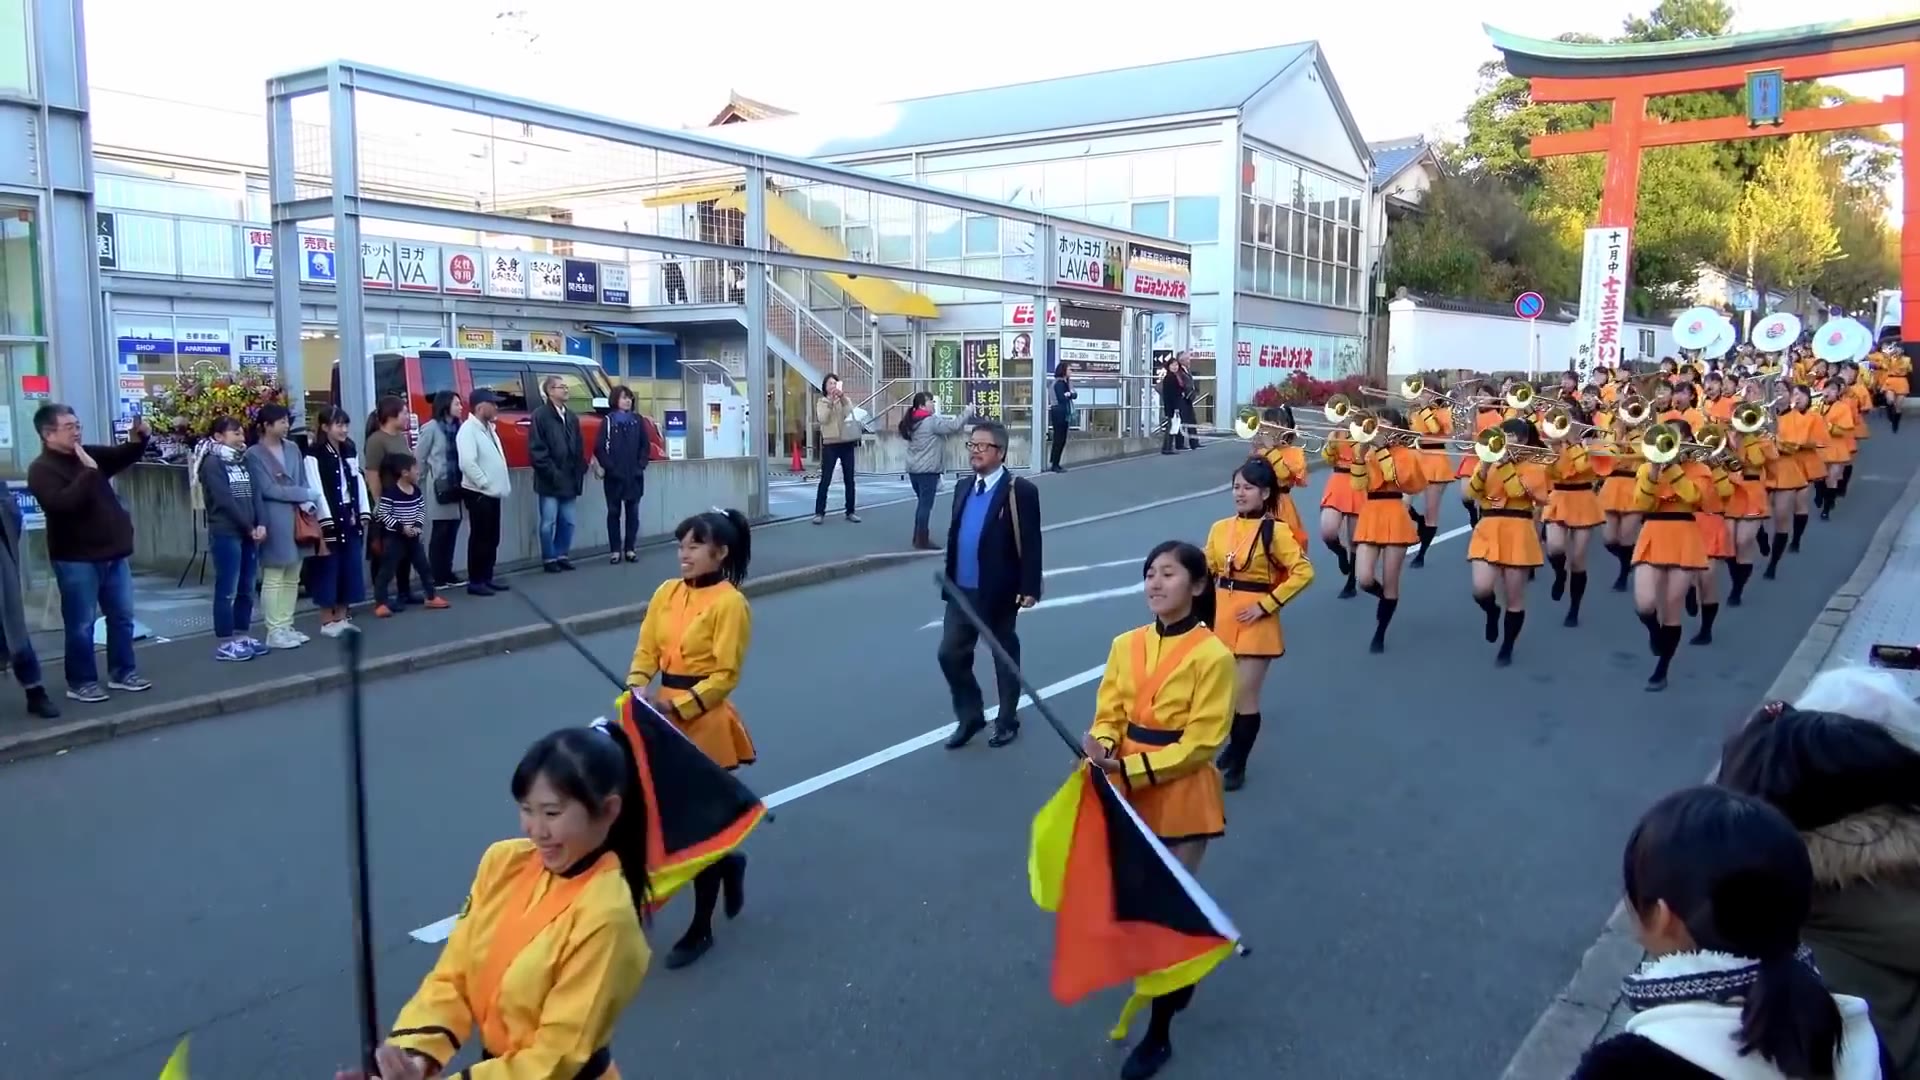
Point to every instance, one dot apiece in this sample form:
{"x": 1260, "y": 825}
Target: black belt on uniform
{"x": 1588, "y": 486}
{"x": 1284, "y": 489}
{"x": 1152, "y": 736}
{"x": 1386, "y": 494}
{"x": 1433, "y": 444}
{"x": 594, "y": 1068}
{"x": 1505, "y": 511}
{"x": 1668, "y": 515}
{"x": 1236, "y": 585}
{"x": 679, "y": 682}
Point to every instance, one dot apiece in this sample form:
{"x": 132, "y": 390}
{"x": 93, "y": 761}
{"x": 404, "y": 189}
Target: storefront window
{"x": 19, "y": 271}
{"x": 25, "y": 388}
{"x": 1296, "y": 212}
{"x": 16, "y": 49}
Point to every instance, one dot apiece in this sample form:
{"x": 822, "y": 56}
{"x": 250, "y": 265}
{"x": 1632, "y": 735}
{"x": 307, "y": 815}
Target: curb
{"x": 77, "y": 733}
{"x": 1581, "y": 1012}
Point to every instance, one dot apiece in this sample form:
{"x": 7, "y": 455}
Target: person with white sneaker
{"x": 280, "y": 476}
{"x": 234, "y": 531}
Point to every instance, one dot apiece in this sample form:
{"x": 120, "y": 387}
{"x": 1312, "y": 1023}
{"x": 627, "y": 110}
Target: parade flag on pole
{"x": 700, "y": 811}
{"x": 176, "y": 1067}
{"x": 1124, "y": 908}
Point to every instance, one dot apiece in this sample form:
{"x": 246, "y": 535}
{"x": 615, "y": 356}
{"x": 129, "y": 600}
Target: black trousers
{"x": 957, "y": 641}
{"x": 373, "y": 570}
{"x": 841, "y": 452}
{"x": 483, "y": 539}
{"x": 446, "y": 534}
{"x": 397, "y": 553}
{"x": 1058, "y": 426}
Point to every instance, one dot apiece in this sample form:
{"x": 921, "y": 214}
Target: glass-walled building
{"x": 1251, "y": 157}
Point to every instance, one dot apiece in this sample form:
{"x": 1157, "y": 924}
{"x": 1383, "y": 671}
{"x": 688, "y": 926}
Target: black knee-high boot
{"x": 1233, "y": 761}
{"x": 1693, "y": 601}
{"x": 1651, "y": 621}
{"x": 1741, "y": 572}
{"x": 1473, "y": 513}
{"x": 1708, "y": 613}
{"x": 1846, "y": 478}
{"x": 1761, "y": 539}
{"x": 1382, "y": 618}
{"x": 1513, "y": 622}
{"x": 1624, "y": 553}
{"x": 1427, "y": 533}
{"x": 1576, "y": 593}
{"x": 1492, "y": 611}
{"x": 1419, "y": 519}
{"x": 1799, "y": 530}
{"x": 1669, "y": 644}
{"x": 727, "y": 875}
{"x": 1779, "y": 551}
{"x": 1341, "y": 556}
{"x": 1893, "y": 415}
{"x": 1155, "y": 1049}
{"x": 1559, "y": 564}
{"x": 1825, "y": 501}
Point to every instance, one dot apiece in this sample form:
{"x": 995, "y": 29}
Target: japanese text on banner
{"x": 980, "y": 361}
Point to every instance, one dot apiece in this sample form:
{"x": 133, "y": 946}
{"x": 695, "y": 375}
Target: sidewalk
{"x": 189, "y": 683}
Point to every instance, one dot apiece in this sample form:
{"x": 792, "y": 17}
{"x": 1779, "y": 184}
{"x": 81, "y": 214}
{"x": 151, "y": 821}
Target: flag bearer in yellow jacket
{"x": 694, "y": 639}
{"x": 548, "y": 950}
{"x": 1162, "y": 712}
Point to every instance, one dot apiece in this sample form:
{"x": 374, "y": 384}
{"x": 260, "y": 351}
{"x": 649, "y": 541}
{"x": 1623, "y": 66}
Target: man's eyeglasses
{"x": 983, "y": 446}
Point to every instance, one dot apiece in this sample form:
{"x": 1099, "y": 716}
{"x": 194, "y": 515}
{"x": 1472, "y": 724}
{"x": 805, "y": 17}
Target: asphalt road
{"x": 1425, "y": 847}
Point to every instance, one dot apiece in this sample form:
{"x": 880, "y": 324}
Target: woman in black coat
{"x": 620, "y": 460}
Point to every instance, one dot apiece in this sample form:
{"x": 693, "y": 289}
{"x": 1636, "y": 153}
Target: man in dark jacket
{"x": 559, "y": 471}
{"x": 90, "y": 543}
{"x": 993, "y": 555}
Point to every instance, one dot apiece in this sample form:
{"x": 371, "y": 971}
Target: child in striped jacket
{"x": 399, "y": 519}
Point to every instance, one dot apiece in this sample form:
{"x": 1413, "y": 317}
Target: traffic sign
{"x": 1529, "y": 305}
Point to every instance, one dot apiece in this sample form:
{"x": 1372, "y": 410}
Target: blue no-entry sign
{"x": 1529, "y": 305}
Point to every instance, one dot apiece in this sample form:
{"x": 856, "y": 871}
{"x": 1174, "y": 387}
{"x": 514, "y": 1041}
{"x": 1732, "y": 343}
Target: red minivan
{"x": 416, "y": 375}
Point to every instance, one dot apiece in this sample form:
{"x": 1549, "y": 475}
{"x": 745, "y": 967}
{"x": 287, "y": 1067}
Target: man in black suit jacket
{"x": 993, "y": 555}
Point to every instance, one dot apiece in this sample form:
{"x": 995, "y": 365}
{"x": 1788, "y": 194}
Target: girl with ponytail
{"x": 694, "y": 640}
{"x": 567, "y": 901}
{"x": 1720, "y": 885}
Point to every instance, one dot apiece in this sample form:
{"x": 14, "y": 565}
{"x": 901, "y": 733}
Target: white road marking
{"x": 1069, "y": 601}
{"x": 436, "y": 932}
{"x": 1089, "y": 566}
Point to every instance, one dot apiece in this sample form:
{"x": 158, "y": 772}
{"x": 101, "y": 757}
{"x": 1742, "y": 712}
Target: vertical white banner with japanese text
{"x": 1604, "y": 268}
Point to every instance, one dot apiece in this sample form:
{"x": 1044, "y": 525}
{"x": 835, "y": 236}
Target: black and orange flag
{"x": 1124, "y": 908}
{"x": 700, "y": 811}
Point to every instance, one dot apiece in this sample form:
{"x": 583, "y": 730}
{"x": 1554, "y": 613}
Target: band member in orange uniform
{"x": 694, "y": 637}
{"x": 1572, "y": 513}
{"x": 1289, "y": 464}
{"x": 1896, "y": 384}
{"x": 1856, "y": 387}
{"x": 1488, "y": 414}
{"x": 1715, "y": 485}
{"x": 1666, "y": 557}
{"x": 1384, "y": 532}
{"x": 1620, "y": 526}
{"x": 1504, "y": 549}
{"x": 548, "y": 949}
{"x": 1842, "y": 420}
{"x": 1434, "y": 422}
{"x": 1719, "y": 403}
{"x": 1257, "y": 567}
{"x": 1158, "y": 719}
{"x": 1681, "y": 406}
{"x": 1754, "y": 455}
{"x": 1803, "y": 433}
{"x": 1340, "y": 505}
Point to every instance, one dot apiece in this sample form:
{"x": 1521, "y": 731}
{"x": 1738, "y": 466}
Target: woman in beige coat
{"x": 839, "y": 435}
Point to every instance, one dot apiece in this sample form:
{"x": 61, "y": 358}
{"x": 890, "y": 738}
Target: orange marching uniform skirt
{"x": 1339, "y": 494}
{"x": 1256, "y": 564}
{"x": 1575, "y": 506}
{"x": 695, "y": 638}
{"x": 1383, "y": 520}
{"x": 1505, "y": 536}
{"x": 1671, "y": 539}
{"x": 1749, "y": 499}
{"x": 1437, "y": 466}
{"x": 1714, "y": 540}
{"x": 1785, "y": 473}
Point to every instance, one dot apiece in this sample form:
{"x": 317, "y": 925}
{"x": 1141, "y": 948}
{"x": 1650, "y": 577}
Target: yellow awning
{"x": 717, "y": 189}
{"x": 876, "y": 294}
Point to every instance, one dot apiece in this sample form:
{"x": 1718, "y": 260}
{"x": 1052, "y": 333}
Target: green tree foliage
{"x": 1785, "y": 216}
{"x": 1689, "y": 196}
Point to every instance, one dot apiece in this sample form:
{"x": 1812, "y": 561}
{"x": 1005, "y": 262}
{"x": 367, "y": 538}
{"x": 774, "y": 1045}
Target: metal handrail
{"x": 840, "y": 344}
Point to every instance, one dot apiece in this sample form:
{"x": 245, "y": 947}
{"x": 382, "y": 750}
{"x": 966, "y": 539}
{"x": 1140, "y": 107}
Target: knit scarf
{"x": 1715, "y": 978}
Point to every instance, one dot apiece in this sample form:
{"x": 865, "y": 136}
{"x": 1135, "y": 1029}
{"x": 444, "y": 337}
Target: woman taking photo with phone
{"x": 926, "y": 433}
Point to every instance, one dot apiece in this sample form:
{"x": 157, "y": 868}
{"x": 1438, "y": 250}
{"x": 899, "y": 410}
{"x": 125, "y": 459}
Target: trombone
{"x": 1558, "y": 425}
{"x": 1661, "y": 444}
{"x": 1341, "y": 410}
{"x": 1520, "y": 398}
{"x": 1634, "y": 412}
{"x": 1248, "y": 425}
{"x": 1367, "y": 429}
{"x": 1412, "y": 388}
{"x": 1494, "y": 447}
{"x": 1752, "y": 418}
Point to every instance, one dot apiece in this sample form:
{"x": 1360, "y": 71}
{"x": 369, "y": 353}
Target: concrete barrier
{"x": 167, "y": 534}
{"x": 887, "y": 453}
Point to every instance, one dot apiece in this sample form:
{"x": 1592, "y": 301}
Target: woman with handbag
{"x": 279, "y": 472}
{"x": 1060, "y": 414}
{"x": 440, "y": 482}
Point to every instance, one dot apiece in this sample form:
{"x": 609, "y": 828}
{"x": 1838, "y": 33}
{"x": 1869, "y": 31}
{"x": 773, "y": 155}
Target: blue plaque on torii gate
{"x": 1766, "y": 97}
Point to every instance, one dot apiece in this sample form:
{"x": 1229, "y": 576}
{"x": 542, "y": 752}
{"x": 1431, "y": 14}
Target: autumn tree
{"x": 1785, "y": 218}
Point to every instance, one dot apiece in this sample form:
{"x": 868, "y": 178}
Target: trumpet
{"x": 1558, "y": 424}
{"x": 1520, "y": 398}
{"x": 1751, "y": 418}
{"x": 1494, "y": 447}
{"x": 1367, "y": 429}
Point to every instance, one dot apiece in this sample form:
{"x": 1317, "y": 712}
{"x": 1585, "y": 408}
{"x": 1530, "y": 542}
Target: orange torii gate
{"x": 1628, "y": 74}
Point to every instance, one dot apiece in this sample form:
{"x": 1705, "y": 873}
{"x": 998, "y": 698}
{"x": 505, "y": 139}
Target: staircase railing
{"x": 816, "y": 342}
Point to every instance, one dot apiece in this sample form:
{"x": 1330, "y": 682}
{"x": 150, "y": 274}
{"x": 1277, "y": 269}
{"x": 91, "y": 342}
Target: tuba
{"x": 1661, "y": 444}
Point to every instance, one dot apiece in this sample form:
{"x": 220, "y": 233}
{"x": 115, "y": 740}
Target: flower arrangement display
{"x": 188, "y": 408}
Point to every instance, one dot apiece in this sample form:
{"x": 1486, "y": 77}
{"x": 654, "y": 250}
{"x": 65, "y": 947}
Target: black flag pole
{"x": 363, "y": 978}
{"x": 1000, "y": 654}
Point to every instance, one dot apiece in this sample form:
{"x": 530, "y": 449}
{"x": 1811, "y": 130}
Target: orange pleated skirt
{"x": 717, "y": 732}
{"x": 1339, "y": 494}
{"x": 1616, "y": 494}
{"x": 1713, "y": 535}
{"x": 1505, "y": 537}
{"x": 1191, "y": 807}
{"x": 1895, "y": 385}
{"x": 1384, "y": 521}
{"x": 1839, "y": 450}
{"x": 1437, "y": 466}
{"x": 1812, "y": 465}
{"x": 1260, "y": 638}
{"x": 1574, "y": 506}
{"x": 1671, "y": 540}
{"x": 1749, "y": 500}
{"x": 1290, "y": 517}
{"x": 1785, "y": 473}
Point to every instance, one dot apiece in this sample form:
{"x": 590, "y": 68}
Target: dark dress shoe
{"x": 1233, "y": 779}
{"x": 963, "y": 733}
{"x": 685, "y": 952}
{"x": 1003, "y": 736}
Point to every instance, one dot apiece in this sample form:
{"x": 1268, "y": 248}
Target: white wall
{"x": 1297, "y": 113}
{"x": 1425, "y": 339}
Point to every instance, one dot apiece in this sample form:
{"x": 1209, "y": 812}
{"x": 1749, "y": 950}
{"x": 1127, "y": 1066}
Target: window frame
{"x": 528, "y": 393}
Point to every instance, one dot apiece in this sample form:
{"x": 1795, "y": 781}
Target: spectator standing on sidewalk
{"x": 839, "y": 435}
{"x": 620, "y": 461}
{"x": 279, "y": 472}
{"x": 90, "y": 543}
{"x": 1060, "y": 413}
{"x": 559, "y": 471}
{"x": 440, "y": 484}
{"x": 401, "y": 518}
{"x": 486, "y": 484}
{"x": 926, "y": 433}
{"x": 15, "y": 635}
{"x": 993, "y": 555}
{"x": 386, "y": 434}
{"x": 236, "y": 513}
{"x": 1173, "y": 439}
{"x": 336, "y": 578}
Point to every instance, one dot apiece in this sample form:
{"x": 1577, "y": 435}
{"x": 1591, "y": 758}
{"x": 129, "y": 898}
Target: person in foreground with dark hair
{"x": 993, "y": 557}
{"x": 694, "y": 637}
{"x": 1843, "y": 764}
{"x": 926, "y": 433}
{"x": 1164, "y": 709}
{"x": 548, "y": 950}
{"x": 1720, "y": 885}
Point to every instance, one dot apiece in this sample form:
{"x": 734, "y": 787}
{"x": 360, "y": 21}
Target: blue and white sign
{"x": 137, "y": 346}
{"x": 1745, "y": 300}
{"x": 674, "y": 427}
{"x": 317, "y": 265}
{"x": 1529, "y": 305}
{"x": 32, "y": 518}
{"x": 613, "y": 284}
{"x": 259, "y": 254}
{"x": 583, "y": 281}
